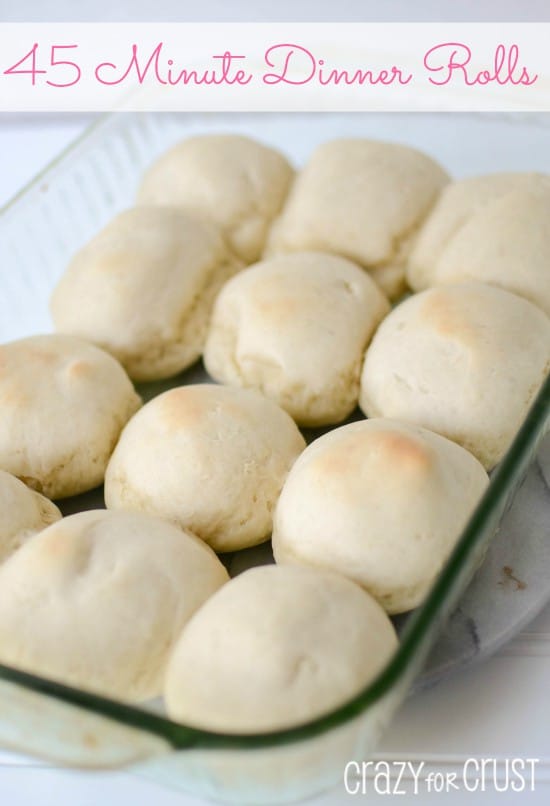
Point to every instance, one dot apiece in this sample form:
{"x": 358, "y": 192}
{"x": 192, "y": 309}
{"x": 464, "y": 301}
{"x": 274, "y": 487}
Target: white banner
{"x": 275, "y": 66}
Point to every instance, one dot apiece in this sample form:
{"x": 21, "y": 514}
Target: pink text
{"x": 452, "y": 61}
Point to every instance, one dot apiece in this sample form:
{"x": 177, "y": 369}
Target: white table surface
{"x": 498, "y": 709}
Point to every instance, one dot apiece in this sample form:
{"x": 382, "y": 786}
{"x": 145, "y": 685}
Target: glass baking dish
{"x": 40, "y": 229}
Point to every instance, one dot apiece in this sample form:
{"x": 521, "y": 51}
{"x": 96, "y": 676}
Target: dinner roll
{"x": 276, "y": 647}
{"x": 98, "y": 599}
{"x": 143, "y": 289}
{"x": 238, "y": 183}
{"x": 63, "y": 403}
{"x": 295, "y": 327}
{"x": 465, "y": 361}
{"x": 489, "y": 228}
{"x": 364, "y": 200}
{"x": 380, "y": 501}
{"x": 23, "y": 512}
{"x": 209, "y": 458}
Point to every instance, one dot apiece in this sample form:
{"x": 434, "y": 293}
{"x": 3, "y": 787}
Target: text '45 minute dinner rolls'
{"x": 98, "y": 599}
{"x": 143, "y": 288}
{"x": 381, "y": 502}
{"x": 23, "y": 512}
{"x": 209, "y": 458}
{"x": 364, "y": 200}
{"x": 493, "y": 229}
{"x": 295, "y": 327}
{"x": 463, "y": 360}
{"x": 63, "y": 403}
{"x": 276, "y": 647}
{"x": 234, "y": 181}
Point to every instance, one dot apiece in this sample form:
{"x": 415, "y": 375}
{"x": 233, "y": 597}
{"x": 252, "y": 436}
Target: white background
{"x": 501, "y": 708}
{"x": 269, "y": 10}
{"x": 89, "y": 66}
